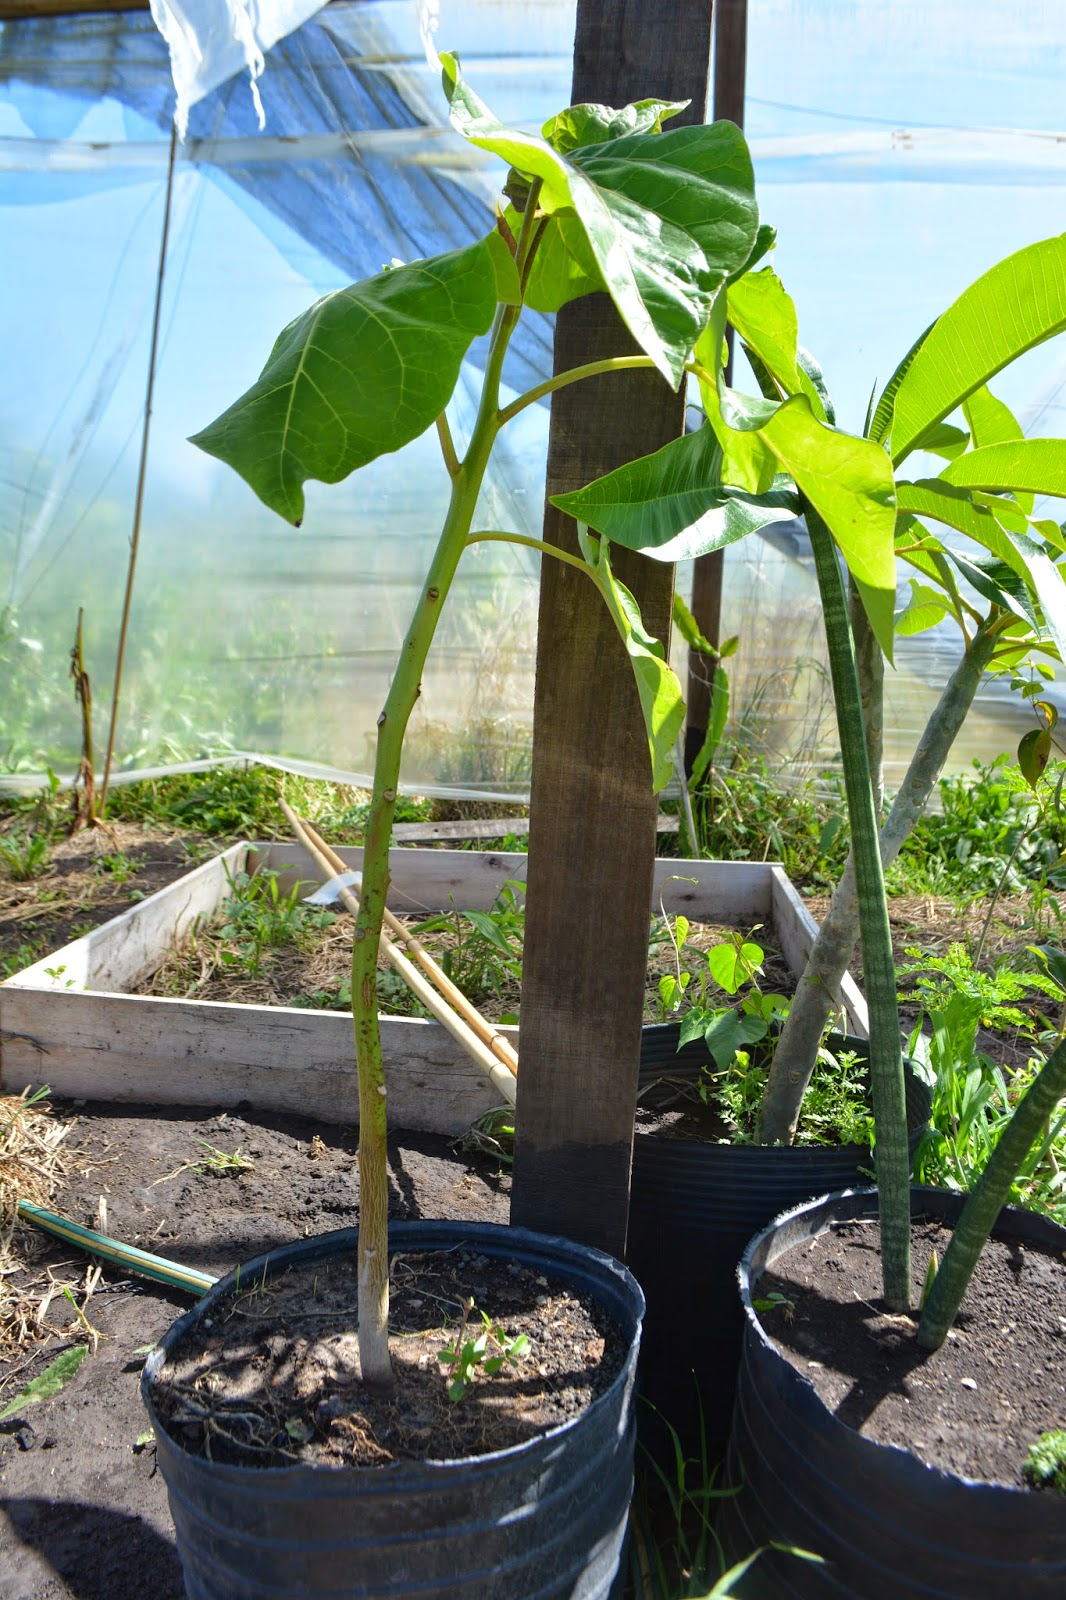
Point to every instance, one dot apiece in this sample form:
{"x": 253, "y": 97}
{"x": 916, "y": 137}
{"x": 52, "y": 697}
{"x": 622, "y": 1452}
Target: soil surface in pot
{"x": 83, "y": 1511}
{"x": 275, "y": 1376}
{"x": 974, "y": 1406}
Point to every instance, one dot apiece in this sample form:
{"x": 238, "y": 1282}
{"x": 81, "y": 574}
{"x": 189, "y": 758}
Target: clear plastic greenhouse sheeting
{"x": 899, "y": 149}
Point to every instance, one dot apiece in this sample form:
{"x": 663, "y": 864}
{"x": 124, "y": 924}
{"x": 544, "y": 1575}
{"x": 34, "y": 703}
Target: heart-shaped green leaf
{"x": 363, "y": 372}
{"x": 672, "y": 504}
{"x": 584, "y": 125}
{"x": 661, "y": 699}
{"x": 850, "y": 484}
{"x": 666, "y": 216}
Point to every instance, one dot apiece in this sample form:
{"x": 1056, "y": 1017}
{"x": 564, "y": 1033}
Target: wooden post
{"x": 730, "y": 71}
{"x": 592, "y": 816}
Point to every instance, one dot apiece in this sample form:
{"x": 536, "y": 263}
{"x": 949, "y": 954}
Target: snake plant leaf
{"x": 850, "y": 484}
{"x": 1015, "y": 305}
{"x": 363, "y": 372}
{"x": 956, "y": 508}
{"x": 672, "y": 505}
{"x": 667, "y": 216}
{"x": 582, "y": 125}
{"x": 764, "y": 316}
{"x": 661, "y": 699}
{"x": 1033, "y": 466}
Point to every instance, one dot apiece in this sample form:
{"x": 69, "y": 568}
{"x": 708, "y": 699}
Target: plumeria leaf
{"x": 1017, "y": 304}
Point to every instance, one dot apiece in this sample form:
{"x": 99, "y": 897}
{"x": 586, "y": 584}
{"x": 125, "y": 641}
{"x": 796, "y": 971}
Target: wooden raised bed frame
{"x": 67, "y": 1022}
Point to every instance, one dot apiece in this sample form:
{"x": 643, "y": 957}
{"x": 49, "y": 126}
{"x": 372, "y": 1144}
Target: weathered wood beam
{"x": 592, "y": 817}
{"x": 23, "y": 10}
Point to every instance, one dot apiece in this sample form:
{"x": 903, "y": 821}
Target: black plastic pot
{"x": 544, "y": 1519}
{"x": 693, "y": 1207}
{"x": 887, "y": 1526}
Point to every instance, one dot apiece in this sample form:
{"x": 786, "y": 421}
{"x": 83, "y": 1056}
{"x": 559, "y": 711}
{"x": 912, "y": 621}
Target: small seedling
{"x": 463, "y": 1358}
{"x": 776, "y": 1301}
{"x": 1045, "y": 1465}
{"x": 222, "y": 1163}
{"x": 143, "y": 1441}
{"x": 56, "y": 975}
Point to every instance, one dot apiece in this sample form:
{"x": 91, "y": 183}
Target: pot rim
{"x": 338, "y": 1240}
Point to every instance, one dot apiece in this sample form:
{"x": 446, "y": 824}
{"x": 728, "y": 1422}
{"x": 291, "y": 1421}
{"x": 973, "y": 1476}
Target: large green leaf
{"x": 1034, "y": 466}
{"x": 661, "y": 699}
{"x": 998, "y": 583}
{"x": 1048, "y": 584}
{"x": 992, "y": 422}
{"x": 700, "y": 179}
{"x": 587, "y": 124}
{"x": 564, "y": 267}
{"x": 879, "y": 426}
{"x": 764, "y": 317}
{"x": 667, "y": 217}
{"x": 363, "y": 372}
{"x": 849, "y": 482}
{"x": 747, "y": 462}
{"x": 955, "y": 508}
{"x": 989, "y": 420}
{"x": 1017, "y": 304}
{"x": 672, "y": 505}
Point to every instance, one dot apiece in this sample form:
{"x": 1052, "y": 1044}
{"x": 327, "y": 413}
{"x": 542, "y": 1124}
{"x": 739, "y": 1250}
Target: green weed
{"x": 1045, "y": 1465}
{"x": 466, "y": 1356}
{"x": 26, "y": 855}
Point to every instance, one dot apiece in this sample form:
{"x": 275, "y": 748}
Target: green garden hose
{"x": 171, "y": 1273}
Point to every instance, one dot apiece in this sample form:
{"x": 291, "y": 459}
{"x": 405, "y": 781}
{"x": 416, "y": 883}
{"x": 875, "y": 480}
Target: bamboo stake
{"x": 497, "y": 1042}
{"x": 329, "y": 864}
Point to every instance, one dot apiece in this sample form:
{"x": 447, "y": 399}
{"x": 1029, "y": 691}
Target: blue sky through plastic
{"x": 900, "y": 150}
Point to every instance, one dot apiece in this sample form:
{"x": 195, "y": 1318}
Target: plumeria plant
{"x": 783, "y": 447}
{"x": 601, "y": 200}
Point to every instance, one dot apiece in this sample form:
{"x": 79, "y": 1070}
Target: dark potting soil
{"x": 83, "y": 1511}
{"x": 974, "y": 1406}
{"x": 275, "y": 1377}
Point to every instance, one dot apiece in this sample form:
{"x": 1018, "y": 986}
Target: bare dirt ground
{"x": 83, "y": 1512}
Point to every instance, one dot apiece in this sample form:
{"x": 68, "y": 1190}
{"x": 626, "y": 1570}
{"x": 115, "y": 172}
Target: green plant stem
{"x": 989, "y": 1197}
{"x": 886, "y": 1057}
{"x": 831, "y": 952}
{"x": 373, "y": 1258}
{"x": 562, "y": 380}
{"x": 494, "y": 537}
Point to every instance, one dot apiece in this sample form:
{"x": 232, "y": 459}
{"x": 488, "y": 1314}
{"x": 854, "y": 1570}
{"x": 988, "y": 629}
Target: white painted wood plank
{"x": 122, "y": 952}
{"x": 161, "y": 1051}
{"x": 796, "y": 932}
